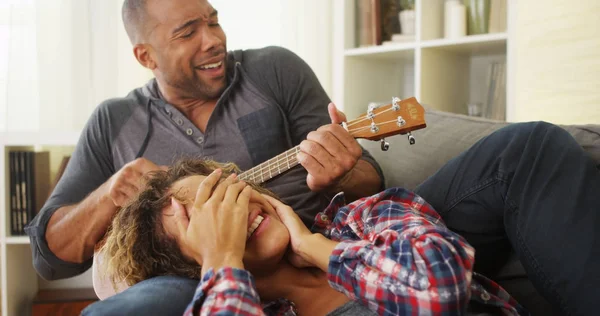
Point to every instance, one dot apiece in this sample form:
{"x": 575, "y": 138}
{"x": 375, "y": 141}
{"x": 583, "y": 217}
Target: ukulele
{"x": 399, "y": 117}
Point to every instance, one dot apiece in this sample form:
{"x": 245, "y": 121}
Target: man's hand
{"x": 329, "y": 153}
{"x": 216, "y": 231}
{"x": 127, "y": 182}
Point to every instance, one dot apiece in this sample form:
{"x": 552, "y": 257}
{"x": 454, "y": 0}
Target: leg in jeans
{"x": 530, "y": 187}
{"x": 164, "y": 295}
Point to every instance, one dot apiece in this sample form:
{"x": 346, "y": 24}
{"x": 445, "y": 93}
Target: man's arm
{"x": 87, "y": 220}
{"x": 295, "y": 87}
{"x": 362, "y": 180}
{"x": 89, "y": 167}
{"x": 77, "y": 213}
{"x": 90, "y": 218}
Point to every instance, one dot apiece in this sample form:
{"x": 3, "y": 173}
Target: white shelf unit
{"x": 19, "y": 281}
{"x": 444, "y": 74}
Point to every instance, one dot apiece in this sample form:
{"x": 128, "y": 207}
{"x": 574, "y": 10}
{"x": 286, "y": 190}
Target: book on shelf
{"x": 29, "y": 174}
{"x": 368, "y": 23}
{"x": 498, "y": 14}
{"x": 59, "y": 173}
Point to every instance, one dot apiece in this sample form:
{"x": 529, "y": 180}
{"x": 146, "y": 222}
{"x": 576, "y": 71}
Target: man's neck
{"x": 308, "y": 289}
{"x": 196, "y": 110}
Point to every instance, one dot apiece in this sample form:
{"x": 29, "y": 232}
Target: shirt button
{"x": 324, "y": 217}
{"x": 485, "y": 296}
{"x": 189, "y": 131}
{"x": 167, "y": 111}
{"x": 179, "y": 121}
{"x": 200, "y": 140}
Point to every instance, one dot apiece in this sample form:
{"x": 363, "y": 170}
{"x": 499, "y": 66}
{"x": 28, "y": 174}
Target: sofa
{"x": 446, "y": 136}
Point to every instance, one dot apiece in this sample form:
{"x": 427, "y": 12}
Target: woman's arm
{"x": 218, "y": 219}
{"x": 396, "y": 253}
{"x": 228, "y": 291}
{"x": 390, "y": 251}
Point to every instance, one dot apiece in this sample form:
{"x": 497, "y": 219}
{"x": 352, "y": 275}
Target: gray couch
{"x": 446, "y": 136}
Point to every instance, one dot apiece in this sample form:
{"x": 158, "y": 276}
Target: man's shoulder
{"x": 112, "y": 114}
{"x": 120, "y": 106}
{"x": 266, "y": 55}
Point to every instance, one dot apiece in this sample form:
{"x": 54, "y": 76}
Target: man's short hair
{"x": 136, "y": 246}
{"x": 135, "y": 17}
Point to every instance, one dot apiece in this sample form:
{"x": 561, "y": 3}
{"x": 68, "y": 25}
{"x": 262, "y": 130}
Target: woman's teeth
{"x": 211, "y": 66}
{"x": 255, "y": 225}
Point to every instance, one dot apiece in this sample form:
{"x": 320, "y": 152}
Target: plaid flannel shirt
{"x": 395, "y": 256}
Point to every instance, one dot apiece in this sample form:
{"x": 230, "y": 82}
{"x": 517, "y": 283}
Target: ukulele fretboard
{"x": 272, "y": 167}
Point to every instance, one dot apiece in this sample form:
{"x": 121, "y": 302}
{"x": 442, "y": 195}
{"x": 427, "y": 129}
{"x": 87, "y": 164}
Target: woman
{"x": 388, "y": 254}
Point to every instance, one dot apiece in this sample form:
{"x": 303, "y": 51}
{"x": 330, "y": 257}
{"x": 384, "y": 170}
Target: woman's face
{"x": 268, "y": 237}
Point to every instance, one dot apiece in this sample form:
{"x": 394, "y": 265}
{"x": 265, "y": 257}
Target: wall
{"x": 557, "y": 55}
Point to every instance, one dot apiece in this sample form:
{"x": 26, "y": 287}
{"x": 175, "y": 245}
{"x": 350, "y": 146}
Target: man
{"x": 243, "y": 107}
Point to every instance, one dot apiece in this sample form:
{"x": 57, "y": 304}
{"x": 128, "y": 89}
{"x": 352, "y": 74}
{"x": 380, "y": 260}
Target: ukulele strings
{"x": 275, "y": 164}
{"x": 354, "y": 122}
{"x": 358, "y": 129}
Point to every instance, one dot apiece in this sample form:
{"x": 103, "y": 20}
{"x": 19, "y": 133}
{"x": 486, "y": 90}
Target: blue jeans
{"x": 528, "y": 187}
{"x": 163, "y": 295}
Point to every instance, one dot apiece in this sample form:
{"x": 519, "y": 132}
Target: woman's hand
{"x": 215, "y": 233}
{"x": 307, "y": 249}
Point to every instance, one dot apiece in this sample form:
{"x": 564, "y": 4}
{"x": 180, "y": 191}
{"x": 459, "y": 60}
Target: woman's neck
{"x": 308, "y": 289}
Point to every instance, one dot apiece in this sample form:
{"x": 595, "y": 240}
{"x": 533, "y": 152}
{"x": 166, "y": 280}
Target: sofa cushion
{"x": 446, "y": 136}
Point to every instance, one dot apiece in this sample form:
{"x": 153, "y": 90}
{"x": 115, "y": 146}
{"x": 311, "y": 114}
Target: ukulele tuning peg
{"x": 384, "y": 145}
{"x": 411, "y": 139}
{"x": 396, "y": 103}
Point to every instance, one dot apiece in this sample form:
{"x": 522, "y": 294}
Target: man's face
{"x": 188, "y": 47}
{"x": 268, "y": 241}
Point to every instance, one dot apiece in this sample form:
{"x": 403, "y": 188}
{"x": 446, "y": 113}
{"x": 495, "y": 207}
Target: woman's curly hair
{"x": 136, "y": 246}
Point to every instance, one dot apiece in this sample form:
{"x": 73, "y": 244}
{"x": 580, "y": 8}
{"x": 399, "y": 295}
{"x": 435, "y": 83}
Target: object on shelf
{"x": 68, "y": 302}
{"x": 29, "y": 182}
{"x": 407, "y": 21}
{"x": 400, "y": 38}
{"x": 478, "y": 16}
{"x": 474, "y": 109}
{"x": 368, "y": 22}
{"x": 455, "y": 19}
{"x": 407, "y": 4}
{"x": 498, "y": 16}
{"x": 495, "y": 101}
{"x": 390, "y": 24}
{"x": 407, "y": 17}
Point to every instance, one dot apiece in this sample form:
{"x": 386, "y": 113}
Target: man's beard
{"x": 195, "y": 87}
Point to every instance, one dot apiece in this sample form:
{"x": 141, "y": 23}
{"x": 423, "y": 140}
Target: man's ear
{"x": 143, "y": 55}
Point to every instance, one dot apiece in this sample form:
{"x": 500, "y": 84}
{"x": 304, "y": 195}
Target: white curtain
{"x": 302, "y": 26}
{"x": 60, "y": 58}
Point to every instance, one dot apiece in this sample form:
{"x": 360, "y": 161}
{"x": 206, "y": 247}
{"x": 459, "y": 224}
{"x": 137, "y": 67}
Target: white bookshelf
{"x": 19, "y": 281}
{"x": 444, "y": 74}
